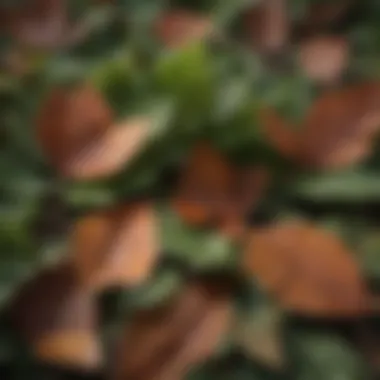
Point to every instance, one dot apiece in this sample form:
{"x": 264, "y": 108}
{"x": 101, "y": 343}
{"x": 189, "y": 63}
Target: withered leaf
{"x": 179, "y": 27}
{"x": 214, "y": 192}
{"x": 324, "y": 58}
{"x": 307, "y": 270}
{"x": 76, "y": 132}
{"x": 268, "y": 25}
{"x": 117, "y": 247}
{"x": 43, "y": 24}
{"x": 338, "y": 129}
{"x": 108, "y": 155}
{"x": 164, "y": 343}
{"x": 58, "y": 319}
{"x": 69, "y": 119}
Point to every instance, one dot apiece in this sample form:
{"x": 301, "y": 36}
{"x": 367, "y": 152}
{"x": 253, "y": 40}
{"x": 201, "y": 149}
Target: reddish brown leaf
{"x": 338, "y": 130}
{"x": 58, "y": 319}
{"x": 69, "y": 120}
{"x": 324, "y": 58}
{"x": 117, "y": 247}
{"x": 43, "y": 24}
{"x": 307, "y": 270}
{"x": 214, "y": 192}
{"x": 340, "y": 126}
{"x": 109, "y": 154}
{"x": 268, "y": 25}
{"x": 164, "y": 343}
{"x": 76, "y": 132}
{"x": 280, "y": 133}
{"x": 180, "y": 27}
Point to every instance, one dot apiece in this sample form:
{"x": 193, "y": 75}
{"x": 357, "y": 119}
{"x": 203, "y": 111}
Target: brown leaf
{"x": 70, "y": 119}
{"x": 43, "y": 24}
{"x": 307, "y": 270}
{"x": 338, "y": 130}
{"x": 76, "y": 132}
{"x": 214, "y": 192}
{"x": 178, "y": 28}
{"x": 280, "y": 133}
{"x": 340, "y": 126}
{"x": 164, "y": 343}
{"x": 117, "y": 247}
{"x": 109, "y": 154}
{"x": 58, "y": 319}
{"x": 268, "y": 25}
{"x": 324, "y": 58}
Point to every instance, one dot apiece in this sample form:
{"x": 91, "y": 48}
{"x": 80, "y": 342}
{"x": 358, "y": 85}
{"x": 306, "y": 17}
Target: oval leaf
{"x": 338, "y": 130}
{"x": 117, "y": 247}
{"x": 214, "y": 192}
{"x": 58, "y": 319}
{"x": 43, "y": 24}
{"x": 164, "y": 343}
{"x": 324, "y": 59}
{"x": 178, "y": 28}
{"x": 307, "y": 270}
{"x": 109, "y": 154}
{"x": 70, "y": 119}
{"x": 268, "y": 25}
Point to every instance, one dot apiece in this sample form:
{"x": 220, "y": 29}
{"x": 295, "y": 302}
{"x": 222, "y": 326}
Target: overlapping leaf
{"x": 58, "y": 319}
{"x": 214, "y": 192}
{"x": 339, "y": 128}
{"x": 164, "y": 343}
{"x": 76, "y": 130}
{"x": 117, "y": 247}
{"x": 307, "y": 270}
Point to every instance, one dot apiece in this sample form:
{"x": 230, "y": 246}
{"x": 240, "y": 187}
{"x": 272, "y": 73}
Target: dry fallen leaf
{"x": 58, "y": 319}
{"x": 164, "y": 343}
{"x": 69, "y": 119}
{"x": 180, "y": 27}
{"x": 309, "y": 271}
{"x": 268, "y": 25}
{"x": 338, "y": 129}
{"x": 324, "y": 58}
{"x": 118, "y": 247}
{"x": 76, "y": 132}
{"x": 108, "y": 155}
{"x": 43, "y": 24}
{"x": 213, "y": 192}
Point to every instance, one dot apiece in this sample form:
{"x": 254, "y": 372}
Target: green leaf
{"x": 326, "y": 356}
{"x": 200, "y": 249}
{"x": 351, "y": 186}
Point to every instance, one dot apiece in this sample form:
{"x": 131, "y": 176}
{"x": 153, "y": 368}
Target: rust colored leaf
{"x": 117, "y": 247}
{"x": 164, "y": 343}
{"x": 281, "y": 134}
{"x": 180, "y": 27}
{"x": 338, "y": 130}
{"x": 214, "y": 192}
{"x": 324, "y": 58}
{"x": 70, "y": 119}
{"x": 268, "y": 25}
{"x": 43, "y": 24}
{"x": 340, "y": 126}
{"x": 110, "y": 153}
{"x": 58, "y": 319}
{"x": 307, "y": 270}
